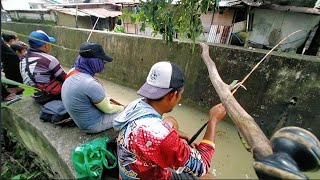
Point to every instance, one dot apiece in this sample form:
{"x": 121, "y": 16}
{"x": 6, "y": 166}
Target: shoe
{"x": 63, "y": 122}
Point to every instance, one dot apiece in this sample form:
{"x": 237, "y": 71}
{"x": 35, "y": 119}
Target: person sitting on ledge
{"x": 83, "y": 96}
{"x": 10, "y": 62}
{"x": 149, "y": 147}
{"x": 38, "y": 68}
{"x": 20, "y": 48}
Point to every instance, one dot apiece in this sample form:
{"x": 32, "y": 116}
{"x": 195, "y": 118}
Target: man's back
{"x": 143, "y": 144}
{"x": 79, "y": 91}
{"x": 42, "y": 66}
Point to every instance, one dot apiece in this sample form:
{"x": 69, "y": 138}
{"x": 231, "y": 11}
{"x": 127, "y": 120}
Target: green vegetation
{"x": 17, "y": 162}
{"x": 170, "y": 19}
{"x": 118, "y": 29}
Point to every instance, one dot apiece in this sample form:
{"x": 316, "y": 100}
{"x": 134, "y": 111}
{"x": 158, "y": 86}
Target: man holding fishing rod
{"x": 149, "y": 147}
{"x": 83, "y": 96}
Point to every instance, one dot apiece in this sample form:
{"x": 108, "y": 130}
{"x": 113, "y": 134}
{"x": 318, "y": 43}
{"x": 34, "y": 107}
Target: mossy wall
{"x": 282, "y": 78}
{"x": 53, "y": 144}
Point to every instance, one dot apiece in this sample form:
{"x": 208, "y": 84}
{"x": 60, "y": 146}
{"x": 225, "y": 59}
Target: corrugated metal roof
{"x": 71, "y": 11}
{"x": 97, "y": 12}
{"x": 101, "y": 12}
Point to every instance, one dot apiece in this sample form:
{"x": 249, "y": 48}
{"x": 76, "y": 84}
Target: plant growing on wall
{"x": 168, "y": 19}
{"x": 118, "y": 29}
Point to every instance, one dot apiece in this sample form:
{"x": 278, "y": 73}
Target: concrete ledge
{"x": 53, "y": 144}
{"x": 270, "y": 89}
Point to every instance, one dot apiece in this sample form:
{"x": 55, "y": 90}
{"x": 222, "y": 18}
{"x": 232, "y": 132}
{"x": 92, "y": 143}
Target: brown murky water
{"x": 231, "y": 159}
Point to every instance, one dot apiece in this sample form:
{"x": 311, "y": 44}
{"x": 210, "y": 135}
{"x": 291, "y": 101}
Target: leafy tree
{"x": 167, "y": 18}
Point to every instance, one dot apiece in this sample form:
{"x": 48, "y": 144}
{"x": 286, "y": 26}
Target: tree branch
{"x": 260, "y": 145}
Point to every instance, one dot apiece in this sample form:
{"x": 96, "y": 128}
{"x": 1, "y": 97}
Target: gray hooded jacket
{"x": 134, "y": 110}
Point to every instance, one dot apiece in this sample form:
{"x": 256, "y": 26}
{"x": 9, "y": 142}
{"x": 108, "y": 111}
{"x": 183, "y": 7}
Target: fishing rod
{"x": 116, "y": 102}
{"x": 52, "y": 44}
{"x": 240, "y": 84}
{"x": 6, "y": 104}
{"x": 94, "y": 26}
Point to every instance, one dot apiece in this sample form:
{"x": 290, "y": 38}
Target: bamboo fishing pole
{"x": 263, "y": 147}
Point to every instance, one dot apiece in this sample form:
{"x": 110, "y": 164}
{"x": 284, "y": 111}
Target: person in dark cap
{"x": 83, "y": 96}
{"x": 149, "y": 147}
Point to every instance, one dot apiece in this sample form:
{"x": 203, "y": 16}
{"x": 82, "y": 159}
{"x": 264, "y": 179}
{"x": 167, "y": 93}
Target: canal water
{"x": 231, "y": 159}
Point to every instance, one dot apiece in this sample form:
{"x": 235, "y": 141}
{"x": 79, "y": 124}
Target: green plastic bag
{"x": 89, "y": 159}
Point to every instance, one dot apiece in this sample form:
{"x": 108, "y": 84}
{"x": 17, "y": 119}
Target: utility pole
{"x": 76, "y": 14}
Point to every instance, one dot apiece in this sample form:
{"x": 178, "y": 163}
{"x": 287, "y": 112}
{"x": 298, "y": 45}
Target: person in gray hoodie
{"x": 149, "y": 147}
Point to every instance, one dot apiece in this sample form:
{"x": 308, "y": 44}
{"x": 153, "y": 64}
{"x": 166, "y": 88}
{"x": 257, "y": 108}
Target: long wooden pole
{"x": 258, "y": 142}
{"x": 241, "y": 114}
{"x": 265, "y": 56}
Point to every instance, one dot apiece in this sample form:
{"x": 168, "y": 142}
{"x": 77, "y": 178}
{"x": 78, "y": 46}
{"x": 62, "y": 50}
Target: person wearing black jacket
{"x": 10, "y": 62}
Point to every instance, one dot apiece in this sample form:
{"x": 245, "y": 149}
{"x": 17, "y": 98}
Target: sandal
{"x": 10, "y": 97}
{"x": 68, "y": 121}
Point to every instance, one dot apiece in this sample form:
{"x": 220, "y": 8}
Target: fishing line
{"x": 27, "y": 36}
{"x": 244, "y": 79}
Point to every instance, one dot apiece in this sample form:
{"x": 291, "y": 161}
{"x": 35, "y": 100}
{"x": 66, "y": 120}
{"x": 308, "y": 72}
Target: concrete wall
{"x": 282, "y": 78}
{"x": 53, "y": 144}
{"x": 70, "y": 21}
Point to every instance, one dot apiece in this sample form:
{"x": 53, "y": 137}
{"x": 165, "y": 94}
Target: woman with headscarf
{"x": 83, "y": 96}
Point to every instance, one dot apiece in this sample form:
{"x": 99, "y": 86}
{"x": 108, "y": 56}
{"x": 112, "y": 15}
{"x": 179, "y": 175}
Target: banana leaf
{"x": 28, "y": 90}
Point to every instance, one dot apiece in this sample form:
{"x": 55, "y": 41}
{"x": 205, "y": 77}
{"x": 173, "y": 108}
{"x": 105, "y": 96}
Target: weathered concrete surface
{"x": 283, "y": 77}
{"x": 53, "y": 144}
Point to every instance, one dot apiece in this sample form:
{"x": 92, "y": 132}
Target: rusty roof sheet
{"x": 101, "y": 12}
{"x": 70, "y": 11}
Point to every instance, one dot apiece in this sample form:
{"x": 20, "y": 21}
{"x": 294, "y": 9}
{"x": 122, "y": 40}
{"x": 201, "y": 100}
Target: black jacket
{"x": 11, "y": 62}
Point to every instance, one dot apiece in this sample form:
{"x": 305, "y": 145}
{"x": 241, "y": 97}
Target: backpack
{"x": 54, "y": 112}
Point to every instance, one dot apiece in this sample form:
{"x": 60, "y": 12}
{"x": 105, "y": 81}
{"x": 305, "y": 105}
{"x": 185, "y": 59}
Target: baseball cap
{"x": 93, "y": 50}
{"x": 163, "y": 77}
{"x": 39, "y": 38}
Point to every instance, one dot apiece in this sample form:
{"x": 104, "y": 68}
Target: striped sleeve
{"x": 57, "y": 70}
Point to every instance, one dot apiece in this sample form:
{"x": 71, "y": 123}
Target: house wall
{"x": 224, "y": 18}
{"x": 206, "y": 21}
{"x": 33, "y": 15}
{"x": 285, "y": 87}
{"x": 270, "y": 26}
{"x": 70, "y": 21}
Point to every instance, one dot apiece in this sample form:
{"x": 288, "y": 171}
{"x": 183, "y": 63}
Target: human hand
{"x": 217, "y": 113}
{"x": 186, "y": 137}
{"x": 193, "y": 144}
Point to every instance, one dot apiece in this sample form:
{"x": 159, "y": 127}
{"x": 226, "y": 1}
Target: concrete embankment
{"x": 282, "y": 91}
